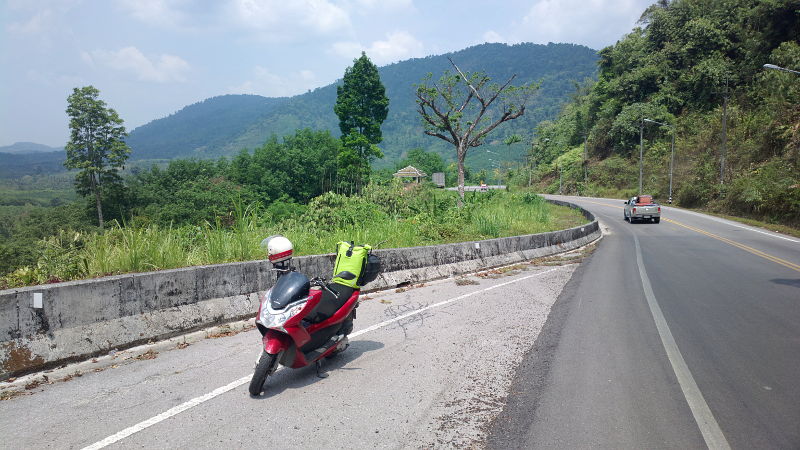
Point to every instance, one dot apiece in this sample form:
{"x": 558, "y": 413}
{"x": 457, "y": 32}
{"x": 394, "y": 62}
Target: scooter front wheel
{"x": 265, "y": 366}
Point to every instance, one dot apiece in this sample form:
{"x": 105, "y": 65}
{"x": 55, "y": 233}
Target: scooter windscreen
{"x": 290, "y": 287}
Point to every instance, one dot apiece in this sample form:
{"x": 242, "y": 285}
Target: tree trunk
{"x": 96, "y": 189}
{"x": 461, "y": 155}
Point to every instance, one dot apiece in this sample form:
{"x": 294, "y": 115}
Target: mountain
{"x": 21, "y": 148}
{"x": 222, "y": 126}
{"x": 205, "y": 129}
{"x": 18, "y": 165}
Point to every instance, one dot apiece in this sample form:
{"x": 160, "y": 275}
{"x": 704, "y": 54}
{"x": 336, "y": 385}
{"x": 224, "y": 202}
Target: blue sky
{"x": 150, "y": 58}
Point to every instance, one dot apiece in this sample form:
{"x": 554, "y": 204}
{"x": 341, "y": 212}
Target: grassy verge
{"x": 395, "y": 219}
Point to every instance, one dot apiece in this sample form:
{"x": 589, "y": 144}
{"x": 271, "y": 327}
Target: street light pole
{"x": 774, "y": 67}
{"x": 724, "y": 151}
{"x": 671, "y": 164}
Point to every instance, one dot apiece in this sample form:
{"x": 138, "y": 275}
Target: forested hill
{"x": 225, "y": 125}
{"x": 698, "y": 67}
{"x": 18, "y": 165}
{"x": 22, "y": 148}
{"x": 204, "y": 129}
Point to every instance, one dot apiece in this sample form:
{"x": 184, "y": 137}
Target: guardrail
{"x": 44, "y": 326}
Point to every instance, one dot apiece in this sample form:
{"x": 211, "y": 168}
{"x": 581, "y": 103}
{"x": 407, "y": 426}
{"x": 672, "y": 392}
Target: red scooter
{"x": 301, "y": 320}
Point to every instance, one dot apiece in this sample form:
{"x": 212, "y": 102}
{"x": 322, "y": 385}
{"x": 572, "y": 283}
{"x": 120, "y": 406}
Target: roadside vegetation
{"x": 393, "y": 214}
{"x": 310, "y": 186}
{"x": 696, "y": 66}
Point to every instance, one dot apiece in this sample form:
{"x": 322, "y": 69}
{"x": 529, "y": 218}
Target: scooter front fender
{"x": 276, "y": 342}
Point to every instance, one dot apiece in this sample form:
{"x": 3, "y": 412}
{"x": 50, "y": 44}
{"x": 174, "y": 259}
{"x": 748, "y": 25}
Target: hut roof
{"x": 410, "y": 171}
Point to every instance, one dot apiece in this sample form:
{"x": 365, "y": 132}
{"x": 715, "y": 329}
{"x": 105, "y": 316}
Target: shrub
{"x": 331, "y": 211}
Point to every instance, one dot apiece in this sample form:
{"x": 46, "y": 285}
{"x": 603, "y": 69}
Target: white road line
{"x": 709, "y": 427}
{"x": 733, "y": 224}
{"x": 705, "y": 216}
{"x": 233, "y": 385}
{"x": 168, "y": 413}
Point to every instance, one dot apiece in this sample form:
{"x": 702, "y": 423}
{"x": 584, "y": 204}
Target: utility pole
{"x": 724, "y": 149}
{"x": 641, "y": 153}
{"x": 585, "y": 159}
{"x": 530, "y": 170}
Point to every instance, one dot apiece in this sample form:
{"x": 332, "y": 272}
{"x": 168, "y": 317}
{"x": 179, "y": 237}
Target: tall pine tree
{"x": 96, "y": 144}
{"x": 362, "y": 106}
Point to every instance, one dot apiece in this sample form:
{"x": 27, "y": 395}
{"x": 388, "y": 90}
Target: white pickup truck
{"x": 642, "y": 208}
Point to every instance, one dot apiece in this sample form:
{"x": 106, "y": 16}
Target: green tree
{"x": 463, "y": 109}
{"x": 362, "y": 106}
{"x": 301, "y": 167}
{"x": 96, "y": 145}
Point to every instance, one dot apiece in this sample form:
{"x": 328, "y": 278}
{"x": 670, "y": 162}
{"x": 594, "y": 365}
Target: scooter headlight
{"x": 276, "y": 319}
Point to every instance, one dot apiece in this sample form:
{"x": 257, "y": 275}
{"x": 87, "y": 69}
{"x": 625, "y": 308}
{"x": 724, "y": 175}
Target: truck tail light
{"x": 659, "y": 209}
{"x": 633, "y": 211}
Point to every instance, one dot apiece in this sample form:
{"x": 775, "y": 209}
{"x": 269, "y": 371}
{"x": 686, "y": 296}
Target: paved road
{"x": 478, "y": 188}
{"x": 434, "y": 378}
{"x": 683, "y": 334}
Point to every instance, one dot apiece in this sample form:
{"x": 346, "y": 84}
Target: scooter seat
{"x": 330, "y": 303}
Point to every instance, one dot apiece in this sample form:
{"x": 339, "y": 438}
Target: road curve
{"x": 683, "y": 334}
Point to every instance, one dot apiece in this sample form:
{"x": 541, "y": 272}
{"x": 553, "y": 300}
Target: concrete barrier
{"x": 44, "y": 326}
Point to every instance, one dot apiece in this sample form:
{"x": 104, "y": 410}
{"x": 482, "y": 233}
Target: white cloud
{"x": 164, "y": 13}
{"x": 51, "y": 79}
{"x": 347, "y": 49}
{"x": 307, "y": 75}
{"x": 40, "y": 22}
{"x": 161, "y": 69}
{"x": 36, "y": 16}
{"x": 398, "y": 45}
{"x": 265, "y": 82}
{"x": 386, "y": 4}
{"x": 281, "y": 20}
{"x": 594, "y": 23}
{"x": 492, "y": 36}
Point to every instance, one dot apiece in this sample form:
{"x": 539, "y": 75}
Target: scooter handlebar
{"x": 318, "y": 281}
{"x": 323, "y": 283}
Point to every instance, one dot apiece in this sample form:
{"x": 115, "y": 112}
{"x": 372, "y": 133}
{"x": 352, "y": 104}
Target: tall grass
{"x": 420, "y": 218}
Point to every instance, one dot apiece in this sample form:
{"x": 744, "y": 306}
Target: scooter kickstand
{"x": 320, "y": 373}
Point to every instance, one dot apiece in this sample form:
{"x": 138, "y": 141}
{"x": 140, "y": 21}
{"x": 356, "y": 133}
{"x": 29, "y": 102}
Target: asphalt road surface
{"x": 478, "y": 188}
{"x": 429, "y": 366}
{"x": 683, "y": 334}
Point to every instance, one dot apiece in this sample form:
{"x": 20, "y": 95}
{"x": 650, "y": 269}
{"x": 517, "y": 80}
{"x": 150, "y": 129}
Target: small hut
{"x": 411, "y": 172}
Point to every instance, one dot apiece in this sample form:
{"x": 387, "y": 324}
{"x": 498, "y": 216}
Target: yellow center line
{"x": 746, "y": 248}
{"x": 603, "y": 204}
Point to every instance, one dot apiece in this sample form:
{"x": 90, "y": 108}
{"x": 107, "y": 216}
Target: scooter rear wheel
{"x": 265, "y": 366}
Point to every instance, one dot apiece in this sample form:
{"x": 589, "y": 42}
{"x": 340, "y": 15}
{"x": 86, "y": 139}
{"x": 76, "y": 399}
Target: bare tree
{"x": 463, "y": 109}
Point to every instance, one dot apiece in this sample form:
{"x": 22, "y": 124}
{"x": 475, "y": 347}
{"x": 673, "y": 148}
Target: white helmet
{"x": 278, "y": 248}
